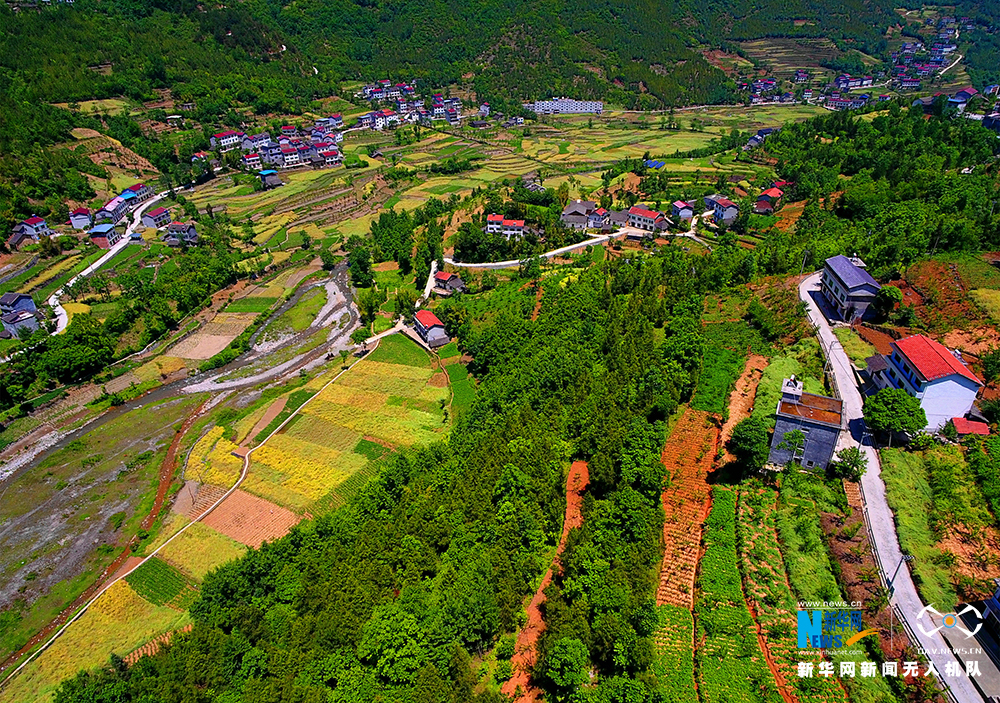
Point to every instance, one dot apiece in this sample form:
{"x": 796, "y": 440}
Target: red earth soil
{"x": 538, "y": 304}
{"x": 168, "y": 467}
{"x": 742, "y": 398}
{"x": 272, "y": 412}
{"x": 688, "y": 457}
{"x": 878, "y": 339}
{"x": 525, "y": 652}
{"x": 251, "y": 520}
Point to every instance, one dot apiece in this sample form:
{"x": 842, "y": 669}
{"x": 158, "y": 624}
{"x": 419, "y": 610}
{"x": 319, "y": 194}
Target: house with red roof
{"x": 227, "y": 141}
{"x": 682, "y": 210}
{"x": 34, "y": 227}
{"x": 430, "y": 328}
{"x": 930, "y": 372}
{"x": 513, "y": 228}
{"x": 252, "y": 161}
{"x": 643, "y": 218}
{"x": 156, "y": 218}
{"x": 725, "y": 211}
{"x": 448, "y": 282}
{"x": 80, "y": 218}
{"x": 142, "y": 192}
{"x": 494, "y": 224}
{"x": 965, "y": 427}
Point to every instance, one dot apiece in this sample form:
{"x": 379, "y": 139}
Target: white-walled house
{"x": 157, "y": 217}
{"x": 930, "y": 372}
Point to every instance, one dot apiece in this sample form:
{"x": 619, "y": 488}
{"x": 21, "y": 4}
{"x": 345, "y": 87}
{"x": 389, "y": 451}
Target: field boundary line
{"x": 246, "y": 467}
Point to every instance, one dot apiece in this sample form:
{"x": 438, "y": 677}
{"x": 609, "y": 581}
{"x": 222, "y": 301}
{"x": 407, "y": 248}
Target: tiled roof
{"x": 643, "y": 212}
{"x": 852, "y": 276}
{"x": 513, "y": 223}
{"x": 443, "y": 276}
{"x": 36, "y": 220}
{"x": 428, "y": 319}
{"x": 725, "y": 202}
{"x": 494, "y": 218}
{"x": 81, "y": 211}
{"x": 932, "y": 359}
{"x": 963, "y": 426}
{"x": 157, "y": 212}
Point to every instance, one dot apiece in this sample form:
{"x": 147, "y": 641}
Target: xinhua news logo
{"x": 949, "y": 621}
{"x": 830, "y": 629}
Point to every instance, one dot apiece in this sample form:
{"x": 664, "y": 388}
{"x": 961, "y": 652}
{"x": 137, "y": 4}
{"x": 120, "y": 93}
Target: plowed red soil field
{"x": 153, "y": 646}
{"x": 525, "y": 652}
{"x": 688, "y": 457}
{"x": 251, "y": 520}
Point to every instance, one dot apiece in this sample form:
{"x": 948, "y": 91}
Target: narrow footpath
{"x": 525, "y": 650}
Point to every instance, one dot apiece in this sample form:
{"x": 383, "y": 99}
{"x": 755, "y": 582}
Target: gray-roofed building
{"x": 848, "y": 287}
{"x": 14, "y": 322}
{"x": 17, "y": 302}
{"x": 576, "y": 213}
{"x": 618, "y": 219}
{"x": 818, "y": 417}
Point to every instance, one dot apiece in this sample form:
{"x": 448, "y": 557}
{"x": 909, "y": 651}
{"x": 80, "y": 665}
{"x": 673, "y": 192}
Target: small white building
{"x": 557, "y": 106}
{"x": 157, "y": 217}
{"x": 227, "y": 141}
{"x": 80, "y": 218}
{"x": 494, "y": 224}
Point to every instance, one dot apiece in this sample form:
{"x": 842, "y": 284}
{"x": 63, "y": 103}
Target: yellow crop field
{"x": 211, "y": 460}
{"x": 119, "y": 622}
{"x": 336, "y": 435}
{"x": 75, "y": 309}
{"x": 199, "y": 549}
{"x": 159, "y": 367}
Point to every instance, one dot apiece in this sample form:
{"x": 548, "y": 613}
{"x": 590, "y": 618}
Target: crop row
{"x": 161, "y": 584}
{"x": 674, "y": 662}
{"x": 731, "y": 666}
{"x": 768, "y": 591}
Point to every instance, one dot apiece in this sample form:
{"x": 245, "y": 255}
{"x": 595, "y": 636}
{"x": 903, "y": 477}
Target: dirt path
{"x": 538, "y": 304}
{"x": 742, "y": 398}
{"x": 688, "y": 457}
{"x": 272, "y": 412}
{"x": 169, "y": 467}
{"x": 525, "y": 652}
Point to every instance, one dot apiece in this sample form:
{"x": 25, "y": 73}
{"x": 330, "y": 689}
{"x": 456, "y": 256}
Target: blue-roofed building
{"x": 105, "y": 236}
{"x": 848, "y": 287}
{"x": 269, "y": 178}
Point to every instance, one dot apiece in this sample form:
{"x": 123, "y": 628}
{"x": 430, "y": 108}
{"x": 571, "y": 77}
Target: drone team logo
{"x": 949, "y": 621}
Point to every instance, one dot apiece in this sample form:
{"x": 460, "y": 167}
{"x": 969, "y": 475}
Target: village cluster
{"x": 104, "y": 226}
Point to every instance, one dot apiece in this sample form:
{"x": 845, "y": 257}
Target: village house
{"x": 331, "y": 157}
{"x": 448, "y": 282}
{"x": 19, "y": 240}
{"x": 930, "y": 372}
{"x": 384, "y": 118}
{"x": 141, "y": 191}
{"x": 252, "y": 161}
{"x": 494, "y": 224}
{"x": 576, "y": 213}
{"x": 801, "y": 76}
{"x": 200, "y": 156}
{"x": 725, "y": 211}
{"x": 112, "y": 211}
{"x": 820, "y": 420}
{"x": 964, "y": 428}
{"x": 17, "y": 302}
{"x": 156, "y": 218}
{"x": 34, "y": 227}
{"x": 430, "y": 328}
{"x": 80, "y": 218}
{"x": 513, "y": 229}
{"x": 767, "y": 201}
{"x": 598, "y": 219}
{"x": 557, "y": 106}
{"x": 15, "y": 322}
{"x": 253, "y": 141}
{"x": 179, "y": 233}
{"x": 645, "y": 219}
{"x": 848, "y": 287}
{"x": 105, "y": 236}
{"x": 289, "y": 157}
{"x": 682, "y": 210}
{"x": 269, "y": 178}
{"x": 227, "y": 141}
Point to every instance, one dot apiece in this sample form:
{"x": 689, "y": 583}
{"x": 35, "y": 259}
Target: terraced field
{"x": 386, "y": 401}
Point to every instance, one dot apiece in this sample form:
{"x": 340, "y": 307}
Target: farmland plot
{"x": 386, "y": 401}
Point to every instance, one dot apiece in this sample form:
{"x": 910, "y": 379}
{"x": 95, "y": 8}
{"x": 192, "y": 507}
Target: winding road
{"x": 62, "y": 318}
{"x": 881, "y": 520}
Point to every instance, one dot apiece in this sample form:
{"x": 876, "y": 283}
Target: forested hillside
{"x": 275, "y": 55}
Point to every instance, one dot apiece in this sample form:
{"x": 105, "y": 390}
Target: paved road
{"x": 62, "y": 318}
{"x": 593, "y": 241}
{"x": 880, "y": 516}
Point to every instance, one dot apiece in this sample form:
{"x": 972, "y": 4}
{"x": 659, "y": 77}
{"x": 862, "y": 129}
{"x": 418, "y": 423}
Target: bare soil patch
{"x": 882, "y": 341}
{"x": 267, "y": 418}
{"x": 688, "y": 456}
{"x": 438, "y": 380}
{"x": 202, "y": 346}
{"x": 153, "y": 646}
{"x": 251, "y": 520}
{"x": 386, "y": 266}
{"x": 525, "y": 650}
{"x": 974, "y": 341}
{"x": 742, "y": 398}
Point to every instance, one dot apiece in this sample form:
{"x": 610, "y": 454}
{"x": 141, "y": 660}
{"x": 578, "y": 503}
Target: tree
{"x": 359, "y": 263}
{"x": 329, "y": 259}
{"x": 406, "y": 302}
{"x": 369, "y": 301}
{"x": 566, "y": 665}
{"x": 991, "y": 364}
{"x": 851, "y": 464}
{"x": 886, "y": 300}
{"x": 893, "y": 410}
{"x": 749, "y": 443}
{"x": 793, "y": 442}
